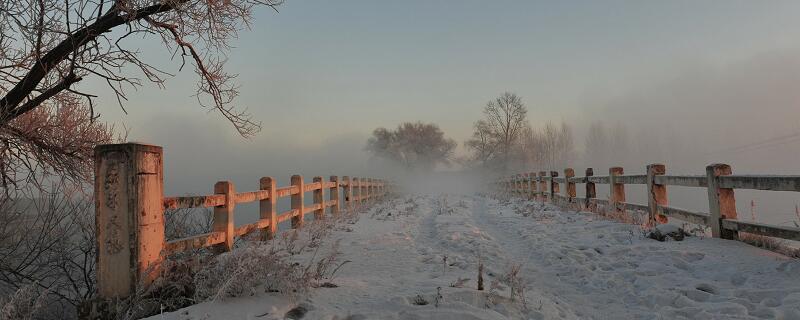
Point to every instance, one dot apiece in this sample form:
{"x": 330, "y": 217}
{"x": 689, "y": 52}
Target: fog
{"x": 745, "y": 114}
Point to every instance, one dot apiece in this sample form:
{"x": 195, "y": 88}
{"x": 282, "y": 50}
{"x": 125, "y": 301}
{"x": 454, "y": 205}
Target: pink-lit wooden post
{"x": 348, "y": 193}
{"x": 268, "y": 208}
{"x": 543, "y": 185}
{"x": 721, "y": 201}
{"x": 319, "y": 198}
{"x": 223, "y": 215}
{"x": 656, "y": 194}
{"x": 334, "y": 196}
{"x": 297, "y": 202}
{"x": 356, "y": 194}
{"x": 532, "y": 179}
{"x": 569, "y": 190}
{"x": 369, "y": 190}
{"x": 617, "y": 195}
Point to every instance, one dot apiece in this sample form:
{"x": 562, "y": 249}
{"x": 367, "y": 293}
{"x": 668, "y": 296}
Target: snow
{"x": 573, "y": 266}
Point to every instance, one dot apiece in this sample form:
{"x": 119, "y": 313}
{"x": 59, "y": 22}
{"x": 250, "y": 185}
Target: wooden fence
{"x": 718, "y": 181}
{"x": 130, "y": 206}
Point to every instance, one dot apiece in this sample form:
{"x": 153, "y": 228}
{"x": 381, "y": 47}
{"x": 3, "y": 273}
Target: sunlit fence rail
{"x": 130, "y": 206}
{"x": 718, "y": 182}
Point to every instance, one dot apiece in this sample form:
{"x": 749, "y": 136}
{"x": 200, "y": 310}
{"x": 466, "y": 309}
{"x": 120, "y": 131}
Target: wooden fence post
{"x": 721, "y": 201}
{"x": 356, "y": 194}
{"x": 656, "y": 194}
{"x": 554, "y": 187}
{"x": 348, "y": 193}
{"x": 364, "y": 191}
{"x": 367, "y": 191}
{"x": 319, "y": 198}
{"x": 528, "y": 185}
{"x": 223, "y": 215}
{"x": 617, "y": 189}
{"x": 334, "y": 191}
{"x": 370, "y": 190}
{"x": 297, "y": 202}
{"x": 267, "y": 208}
{"x": 591, "y": 191}
{"x": 569, "y": 191}
{"x": 532, "y": 181}
{"x": 129, "y": 216}
{"x": 363, "y": 195}
{"x": 524, "y": 185}
{"x": 543, "y": 185}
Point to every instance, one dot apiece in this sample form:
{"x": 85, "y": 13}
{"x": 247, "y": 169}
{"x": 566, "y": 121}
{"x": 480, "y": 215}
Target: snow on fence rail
{"x": 130, "y": 206}
{"x": 718, "y": 181}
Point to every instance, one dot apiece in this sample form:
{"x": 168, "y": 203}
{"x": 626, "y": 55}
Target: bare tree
{"x": 47, "y": 244}
{"x": 551, "y": 147}
{"x": 483, "y": 143}
{"x": 415, "y": 145}
{"x": 606, "y": 147}
{"x": 52, "y": 140}
{"x": 47, "y": 46}
{"x": 500, "y": 131}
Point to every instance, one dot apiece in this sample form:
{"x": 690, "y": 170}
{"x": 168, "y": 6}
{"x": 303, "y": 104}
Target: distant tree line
{"x": 502, "y": 141}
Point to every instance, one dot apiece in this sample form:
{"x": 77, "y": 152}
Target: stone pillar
{"x": 129, "y": 216}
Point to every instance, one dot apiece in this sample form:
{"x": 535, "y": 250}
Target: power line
{"x": 770, "y": 142}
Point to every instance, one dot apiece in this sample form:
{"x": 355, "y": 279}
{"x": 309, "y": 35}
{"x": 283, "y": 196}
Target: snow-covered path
{"x": 408, "y": 255}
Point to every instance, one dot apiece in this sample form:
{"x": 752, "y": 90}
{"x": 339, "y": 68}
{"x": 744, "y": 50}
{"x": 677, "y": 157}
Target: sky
{"x": 321, "y": 75}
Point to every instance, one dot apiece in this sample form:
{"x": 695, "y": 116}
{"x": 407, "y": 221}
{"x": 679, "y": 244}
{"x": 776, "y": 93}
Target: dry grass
{"x": 24, "y": 304}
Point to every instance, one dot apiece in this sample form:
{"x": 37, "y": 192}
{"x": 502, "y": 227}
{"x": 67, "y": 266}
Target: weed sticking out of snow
{"x": 512, "y": 278}
{"x": 480, "y": 275}
{"x": 419, "y": 301}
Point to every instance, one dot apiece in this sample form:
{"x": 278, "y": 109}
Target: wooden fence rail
{"x": 130, "y": 206}
{"x": 718, "y": 181}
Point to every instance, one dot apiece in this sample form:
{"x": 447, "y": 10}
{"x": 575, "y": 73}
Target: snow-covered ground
{"x": 408, "y": 255}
